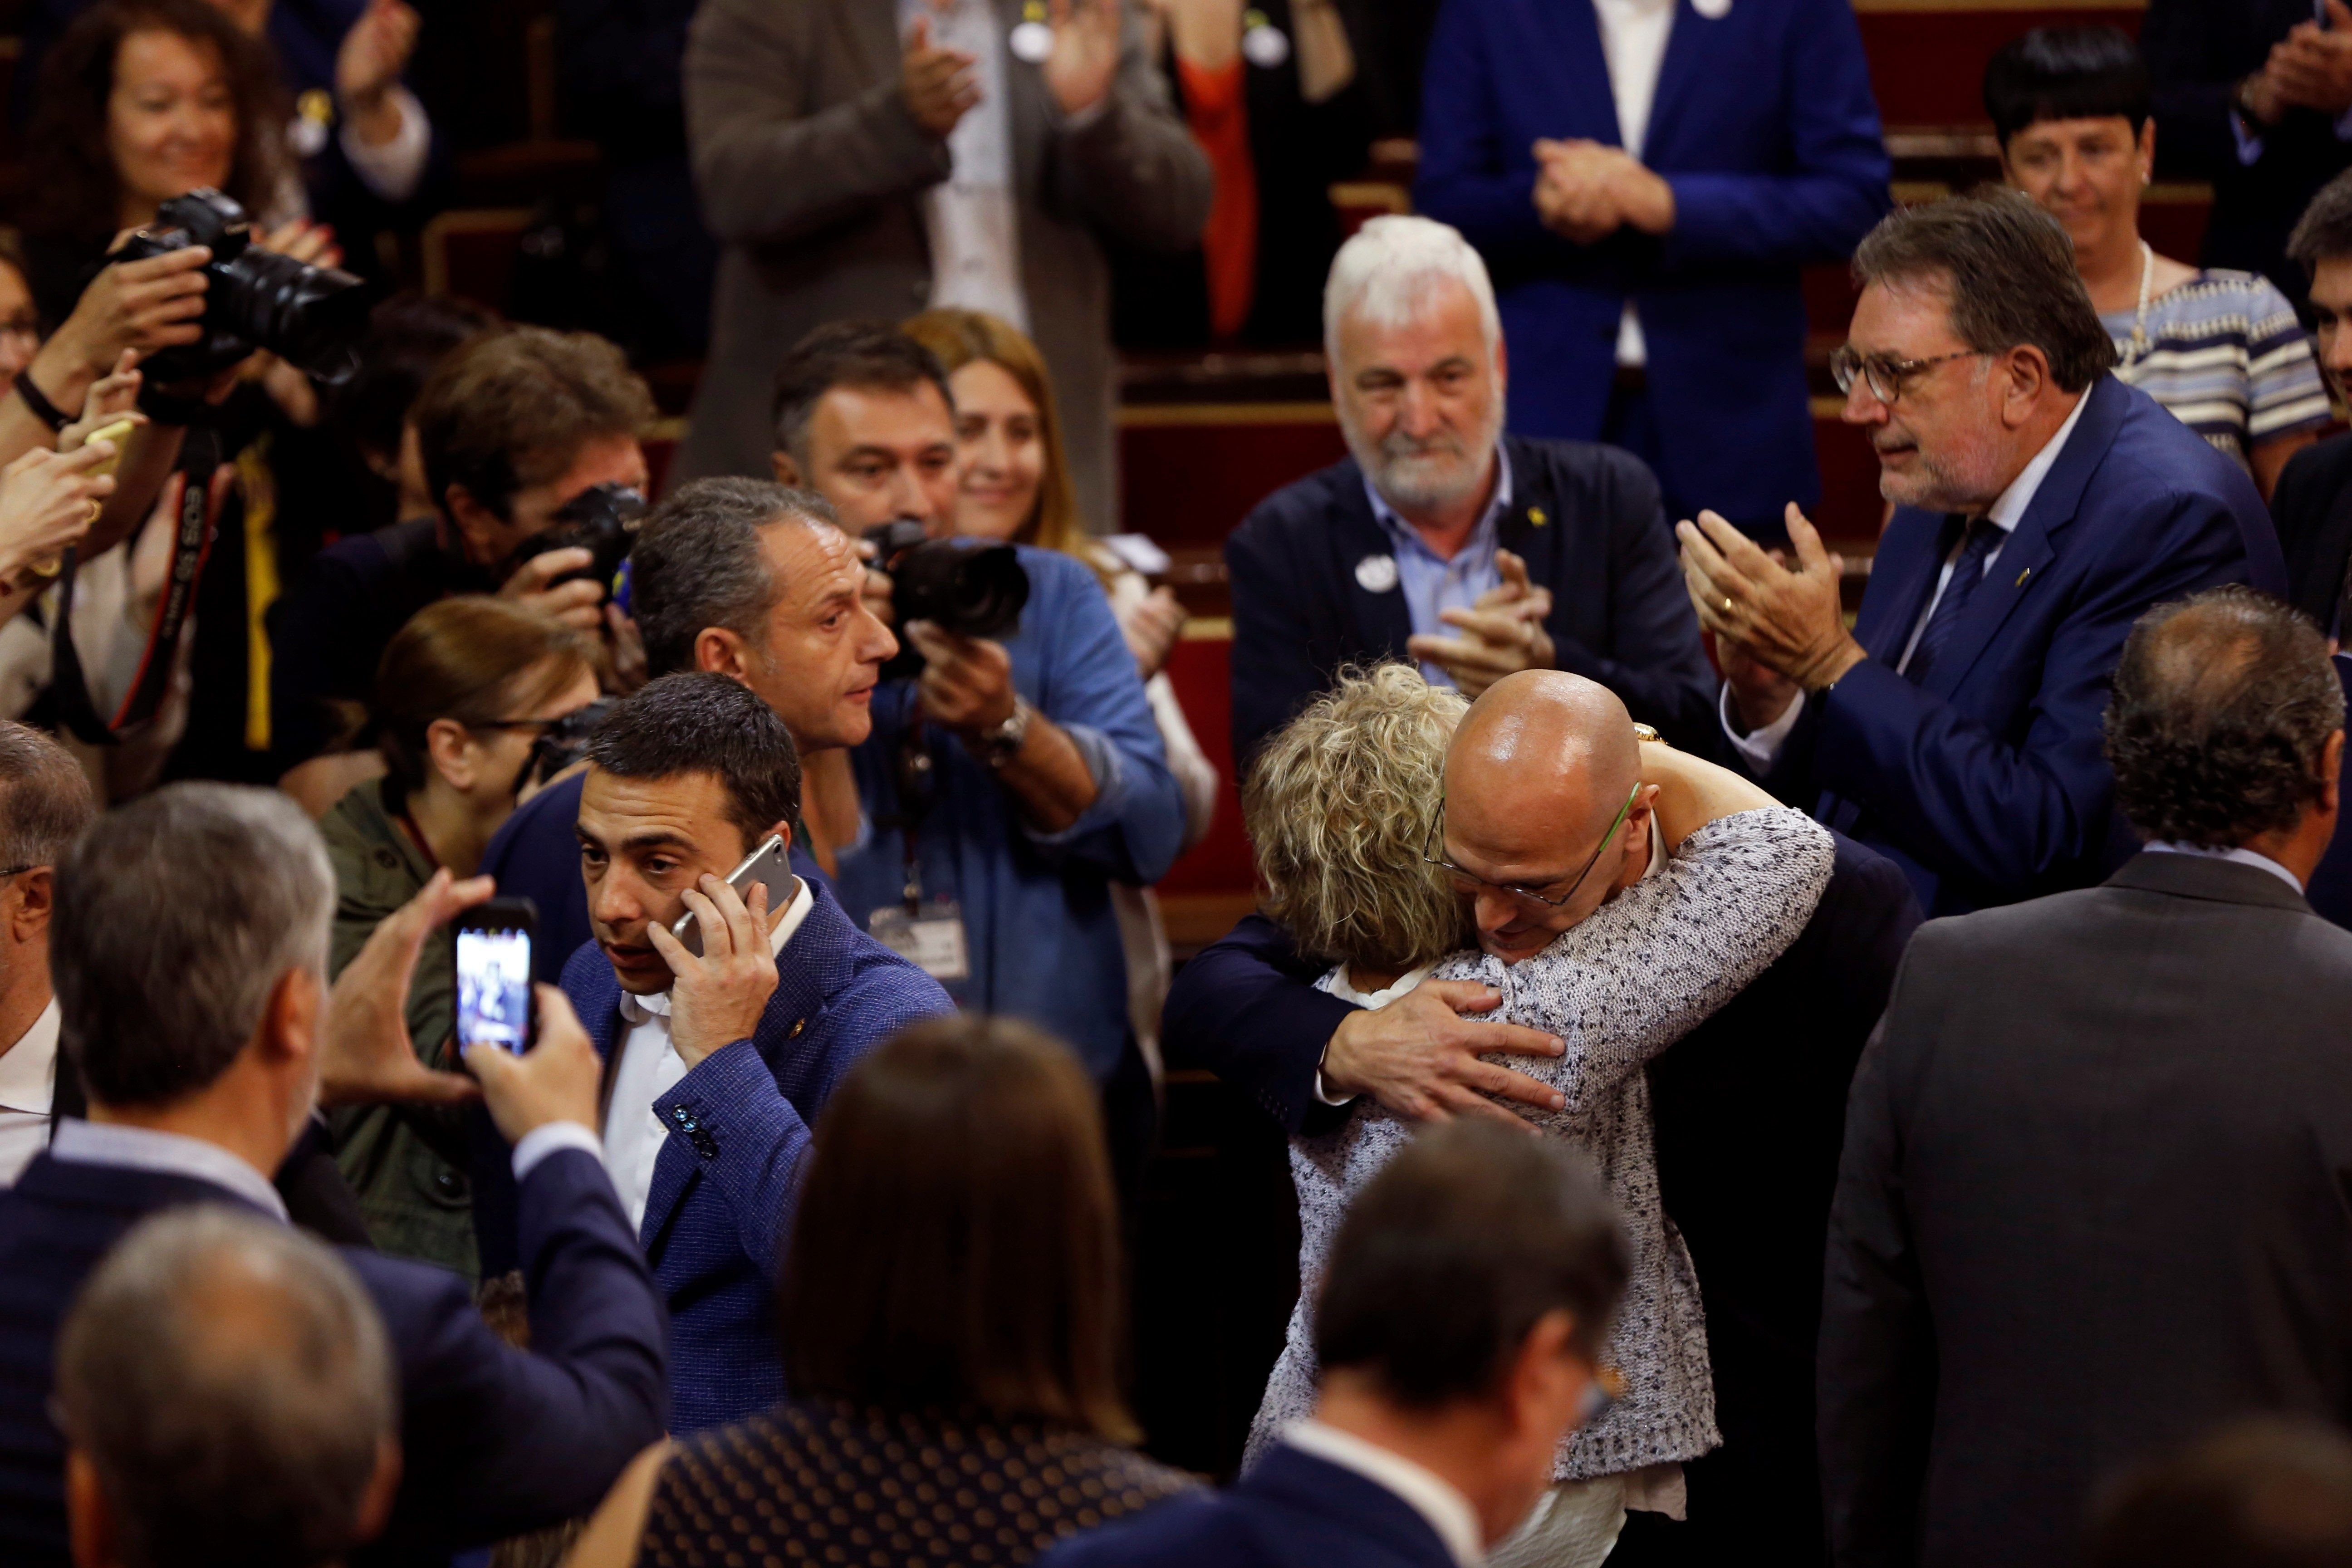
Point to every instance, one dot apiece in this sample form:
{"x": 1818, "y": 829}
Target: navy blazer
{"x": 1586, "y": 519}
{"x": 495, "y": 1441}
{"x": 722, "y": 1191}
{"x": 1764, "y": 125}
{"x": 1988, "y": 782}
{"x": 1290, "y": 1509}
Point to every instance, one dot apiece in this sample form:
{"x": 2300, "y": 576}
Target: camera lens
{"x": 971, "y": 590}
{"x": 313, "y": 316}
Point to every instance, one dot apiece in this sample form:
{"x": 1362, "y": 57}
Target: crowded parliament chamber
{"x": 879, "y": 783}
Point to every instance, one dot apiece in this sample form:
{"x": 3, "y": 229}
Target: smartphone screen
{"x": 494, "y": 981}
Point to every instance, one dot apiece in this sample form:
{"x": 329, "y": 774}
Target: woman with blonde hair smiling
{"x": 1015, "y": 487}
{"x": 1345, "y": 811}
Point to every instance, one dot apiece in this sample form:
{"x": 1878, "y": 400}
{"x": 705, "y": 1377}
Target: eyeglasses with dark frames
{"x": 1885, "y": 375}
{"x": 1470, "y": 881}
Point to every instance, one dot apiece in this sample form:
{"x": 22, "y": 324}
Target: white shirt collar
{"x": 2008, "y": 509}
{"x": 170, "y": 1153}
{"x": 637, "y": 1009}
{"x": 28, "y": 1070}
{"x": 1429, "y": 1495}
{"x": 2242, "y": 856}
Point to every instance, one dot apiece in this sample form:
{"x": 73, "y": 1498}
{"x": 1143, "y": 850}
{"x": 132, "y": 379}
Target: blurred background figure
{"x": 905, "y": 156}
{"x": 951, "y": 1311}
{"x": 226, "y": 1393}
{"x": 463, "y": 694}
{"x": 2264, "y": 1492}
{"x": 45, "y": 802}
{"x": 2221, "y": 349}
{"x": 1645, "y": 179}
{"x": 1013, "y": 486}
{"x": 2253, "y": 96}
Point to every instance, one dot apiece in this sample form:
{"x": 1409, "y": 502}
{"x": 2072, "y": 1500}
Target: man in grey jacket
{"x": 872, "y": 158}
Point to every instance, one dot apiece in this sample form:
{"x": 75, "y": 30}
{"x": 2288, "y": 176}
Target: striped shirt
{"x": 2226, "y": 354}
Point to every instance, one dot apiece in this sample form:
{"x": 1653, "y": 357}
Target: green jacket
{"x": 408, "y": 1164}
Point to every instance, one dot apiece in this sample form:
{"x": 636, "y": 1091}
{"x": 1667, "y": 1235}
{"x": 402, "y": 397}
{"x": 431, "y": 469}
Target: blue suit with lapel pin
{"x": 1988, "y": 781}
{"x": 722, "y": 1198}
{"x": 1764, "y": 126}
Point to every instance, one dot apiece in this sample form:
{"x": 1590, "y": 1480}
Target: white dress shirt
{"x": 169, "y": 1154}
{"x": 1428, "y": 1494}
{"x": 1762, "y": 745}
{"x": 2242, "y": 856}
{"x": 974, "y": 229}
{"x": 650, "y": 1067}
{"x": 29, "y": 1082}
{"x": 1634, "y": 35}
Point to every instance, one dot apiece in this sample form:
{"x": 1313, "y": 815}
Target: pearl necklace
{"x": 2139, "y": 317}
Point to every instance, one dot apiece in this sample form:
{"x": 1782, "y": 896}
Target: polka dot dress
{"x": 817, "y": 1482}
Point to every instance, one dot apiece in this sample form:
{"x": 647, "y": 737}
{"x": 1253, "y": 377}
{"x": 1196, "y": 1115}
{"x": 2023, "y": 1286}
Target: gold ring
{"x": 92, "y": 515}
{"x": 1726, "y": 604}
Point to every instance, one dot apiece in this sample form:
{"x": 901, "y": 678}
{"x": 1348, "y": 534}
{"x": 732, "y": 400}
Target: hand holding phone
{"x": 770, "y": 865}
{"x": 494, "y": 974}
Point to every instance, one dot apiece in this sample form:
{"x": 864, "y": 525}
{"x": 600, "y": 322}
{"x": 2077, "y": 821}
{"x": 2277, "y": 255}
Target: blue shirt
{"x": 1430, "y": 583}
{"x": 1041, "y": 934}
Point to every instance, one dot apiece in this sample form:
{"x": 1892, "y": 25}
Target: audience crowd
{"x": 1855, "y": 1084}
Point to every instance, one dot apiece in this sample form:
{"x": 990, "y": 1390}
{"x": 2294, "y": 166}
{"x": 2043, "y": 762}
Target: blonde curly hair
{"x": 1339, "y": 806}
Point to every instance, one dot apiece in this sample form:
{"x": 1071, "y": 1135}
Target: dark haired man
{"x": 2041, "y": 505}
{"x": 2268, "y": 1491}
{"x": 189, "y": 946}
{"x": 754, "y": 581}
{"x": 717, "y": 1063}
{"x": 512, "y": 426}
{"x": 1469, "y": 1293}
{"x": 2091, "y": 1200}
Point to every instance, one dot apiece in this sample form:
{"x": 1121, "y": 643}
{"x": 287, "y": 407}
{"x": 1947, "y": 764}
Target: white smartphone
{"x": 771, "y": 865}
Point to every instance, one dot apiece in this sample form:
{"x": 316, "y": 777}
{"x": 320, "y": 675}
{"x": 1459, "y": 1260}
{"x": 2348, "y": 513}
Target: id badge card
{"x": 931, "y": 940}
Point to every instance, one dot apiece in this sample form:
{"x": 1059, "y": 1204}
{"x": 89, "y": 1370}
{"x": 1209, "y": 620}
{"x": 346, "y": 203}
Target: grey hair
{"x": 1341, "y": 804}
{"x": 1387, "y": 267}
{"x": 697, "y": 563}
{"x": 45, "y": 798}
{"x": 229, "y": 1380}
{"x": 2324, "y": 232}
{"x": 176, "y": 917}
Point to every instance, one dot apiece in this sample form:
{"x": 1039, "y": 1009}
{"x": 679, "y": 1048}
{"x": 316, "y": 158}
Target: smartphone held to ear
{"x": 770, "y": 866}
{"x": 494, "y": 973}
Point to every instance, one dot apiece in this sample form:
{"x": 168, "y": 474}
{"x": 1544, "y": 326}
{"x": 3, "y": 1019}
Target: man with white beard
{"x": 1440, "y": 539}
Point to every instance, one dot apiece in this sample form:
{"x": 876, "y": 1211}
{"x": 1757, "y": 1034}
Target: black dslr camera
{"x": 311, "y": 317}
{"x": 971, "y": 590}
{"x": 602, "y": 520}
{"x": 561, "y": 744}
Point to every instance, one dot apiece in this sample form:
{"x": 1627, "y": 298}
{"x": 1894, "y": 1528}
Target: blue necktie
{"x": 1981, "y": 539}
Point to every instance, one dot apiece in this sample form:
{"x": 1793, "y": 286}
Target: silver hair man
{"x": 226, "y": 1393}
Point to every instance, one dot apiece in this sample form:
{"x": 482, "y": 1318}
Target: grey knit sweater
{"x": 1618, "y": 988}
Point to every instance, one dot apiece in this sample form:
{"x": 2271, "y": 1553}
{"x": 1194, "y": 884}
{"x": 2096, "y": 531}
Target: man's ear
{"x": 2331, "y": 772}
{"x": 376, "y": 1507}
{"x": 787, "y": 471}
{"x": 719, "y": 651}
{"x": 37, "y": 899}
{"x": 88, "y": 1522}
{"x": 476, "y": 525}
{"x": 1637, "y": 820}
{"x": 1502, "y": 365}
{"x": 1545, "y": 1384}
{"x": 2026, "y": 377}
{"x": 290, "y": 1020}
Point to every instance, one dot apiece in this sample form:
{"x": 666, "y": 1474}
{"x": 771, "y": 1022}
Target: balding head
{"x": 1536, "y": 779}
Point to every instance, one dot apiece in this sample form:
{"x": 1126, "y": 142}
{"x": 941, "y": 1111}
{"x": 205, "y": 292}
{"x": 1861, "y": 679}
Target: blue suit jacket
{"x": 495, "y": 1440}
{"x": 722, "y": 1191}
{"x": 1988, "y": 783}
{"x": 1620, "y": 613}
{"x": 1290, "y": 1509}
{"x": 1764, "y": 125}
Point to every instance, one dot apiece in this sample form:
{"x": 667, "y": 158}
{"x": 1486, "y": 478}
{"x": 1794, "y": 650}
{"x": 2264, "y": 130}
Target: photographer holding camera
{"x": 1016, "y": 770}
{"x": 526, "y": 436}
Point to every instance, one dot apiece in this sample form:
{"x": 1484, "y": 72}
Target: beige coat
{"x": 810, "y": 173}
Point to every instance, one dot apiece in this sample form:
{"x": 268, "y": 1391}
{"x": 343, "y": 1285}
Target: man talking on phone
{"x": 715, "y": 1063}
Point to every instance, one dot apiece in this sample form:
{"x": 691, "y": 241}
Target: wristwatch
{"x": 1002, "y": 743}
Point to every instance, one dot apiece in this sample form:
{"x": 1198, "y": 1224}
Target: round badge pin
{"x": 1263, "y": 45}
{"x": 1032, "y": 39}
{"x": 1713, "y": 10}
{"x": 1376, "y": 574}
